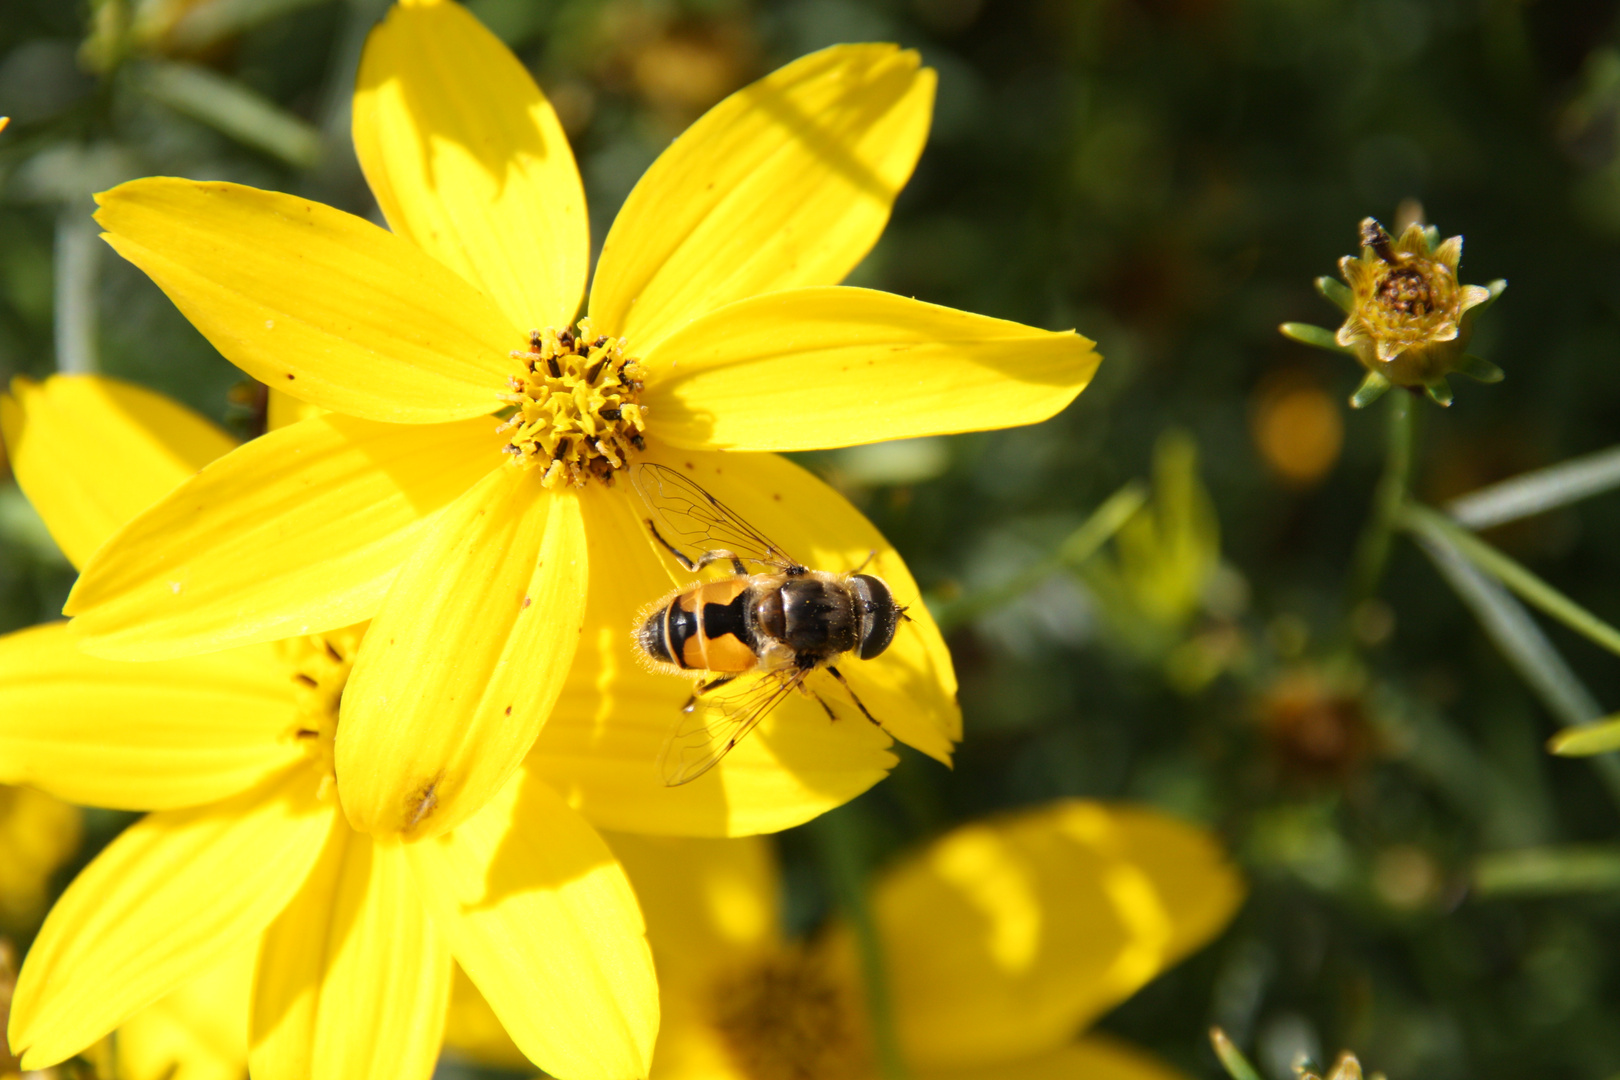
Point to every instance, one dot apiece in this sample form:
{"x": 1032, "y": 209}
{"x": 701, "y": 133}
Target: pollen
{"x": 319, "y": 666}
{"x": 576, "y": 410}
{"x": 785, "y": 1016}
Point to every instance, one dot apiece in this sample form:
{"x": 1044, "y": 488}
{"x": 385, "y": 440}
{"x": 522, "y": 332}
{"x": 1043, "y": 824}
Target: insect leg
{"x": 671, "y": 548}
{"x": 823, "y": 703}
{"x": 715, "y": 556}
{"x": 852, "y": 695}
{"x": 703, "y": 688}
{"x": 870, "y": 555}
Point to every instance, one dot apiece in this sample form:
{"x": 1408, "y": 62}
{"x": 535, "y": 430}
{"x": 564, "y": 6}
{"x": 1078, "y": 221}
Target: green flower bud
{"x": 1407, "y": 319}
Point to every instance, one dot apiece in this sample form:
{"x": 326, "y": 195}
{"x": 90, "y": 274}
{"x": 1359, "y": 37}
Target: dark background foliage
{"x": 1168, "y": 176}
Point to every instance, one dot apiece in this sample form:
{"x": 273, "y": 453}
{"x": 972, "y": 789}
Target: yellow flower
{"x": 1001, "y": 940}
{"x": 486, "y": 552}
{"x": 38, "y": 833}
{"x": 246, "y": 848}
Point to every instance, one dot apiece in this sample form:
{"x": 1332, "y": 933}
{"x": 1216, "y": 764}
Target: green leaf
{"x": 1537, "y": 492}
{"x": 1529, "y": 587}
{"x": 1314, "y": 336}
{"x": 1548, "y": 871}
{"x": 1479, "y": 369}
{"x": 1237, "y": 1066}
{"x": 1371, "y": 389}
{"x": 1439, "y": 392}
{"x": 1338, "y": 292}
{"x": 231, "y": 108}
{"x": 1599, "y": 738}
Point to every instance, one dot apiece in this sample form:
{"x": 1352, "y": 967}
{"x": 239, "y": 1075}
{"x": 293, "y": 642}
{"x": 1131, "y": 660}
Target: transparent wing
{"x": 697, "y": 522}
{"x": 718, "y": 720}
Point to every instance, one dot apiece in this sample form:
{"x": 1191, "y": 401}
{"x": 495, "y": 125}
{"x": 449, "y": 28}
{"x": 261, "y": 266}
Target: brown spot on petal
{"x": 422, "y": 802}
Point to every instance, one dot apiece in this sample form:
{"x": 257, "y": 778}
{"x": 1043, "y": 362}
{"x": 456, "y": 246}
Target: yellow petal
{"x": 464, "y": 661}
{"x": 283, "y": 410}
{"x": 468, "y": 161}
{"x": 1095, "y": 1057}
{"x": 353, "y": 978}
{"x": 140, "y": 736}
{"x": 829, "y": 366}
{"x": 199, "y": 1032}
{"x": 321, "y": 304}
{"x": 707, "y": 904}
{"x": 787, "y": 182}
{"x": 473, "y": 1031}
{"x": 296, "y": 532}
{"x": 167, "y": 900}
{"x": 600, "y": 748}
{"x": 1004, "y": 937}
{"x": 91, "y": 453}
{"x": 542, "y": 919}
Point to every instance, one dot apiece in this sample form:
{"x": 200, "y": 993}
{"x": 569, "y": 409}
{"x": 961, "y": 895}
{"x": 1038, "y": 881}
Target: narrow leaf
{"x": 1537, "y": 492}
{"x": 1598, "y": 738}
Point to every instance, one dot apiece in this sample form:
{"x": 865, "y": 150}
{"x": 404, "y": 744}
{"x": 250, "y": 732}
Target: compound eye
{"x": 880, "y": 615}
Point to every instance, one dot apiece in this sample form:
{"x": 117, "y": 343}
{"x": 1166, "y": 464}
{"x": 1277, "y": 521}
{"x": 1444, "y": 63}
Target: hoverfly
{"x": 757, "y": 635}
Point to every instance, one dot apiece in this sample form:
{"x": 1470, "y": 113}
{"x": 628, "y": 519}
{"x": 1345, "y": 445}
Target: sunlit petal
{"x": 467, "y": 160}
{"x": 788, "y": 182}
{"x": 541, "y": 917}
{"x": 91, "y": 453}
{"x": 1006, "y": 936}
{"x": 199, "y": 1032}
{"x": 298, "y": 531}
{"x": 164, "y": 903}
{"x": 321, "y": 304}
{"x": 353, "y": 980}
{"x": 464, "y": 661}
{"x": 140, "y": 736}
{"x": 819, "y": 367}
{"x": 600, "y": 748}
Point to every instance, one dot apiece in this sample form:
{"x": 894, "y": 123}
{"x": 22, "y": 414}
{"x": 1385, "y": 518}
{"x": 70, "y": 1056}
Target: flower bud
{"x": 1407, "y": 319}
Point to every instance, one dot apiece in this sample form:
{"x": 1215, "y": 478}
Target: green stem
{"x": 1372, "y": 550}
{"x": 839, "y": 840}
{"x": 1530, "y": 588}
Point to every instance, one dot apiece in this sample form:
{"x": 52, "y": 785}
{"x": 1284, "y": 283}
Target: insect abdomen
{"x": 707, "y": 628}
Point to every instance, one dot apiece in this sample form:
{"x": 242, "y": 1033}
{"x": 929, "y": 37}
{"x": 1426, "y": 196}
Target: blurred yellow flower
{"x": 1001, "y": 940}
{"x": 1164, "y": 560}
{"x": 246, "y": 849}
{"x": 38, "y": 833}
{"x": 714, "y": 323}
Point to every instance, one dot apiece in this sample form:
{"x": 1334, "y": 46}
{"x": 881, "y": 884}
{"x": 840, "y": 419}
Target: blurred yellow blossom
{"x": 1000, "y": 940}
{"x": 38, "y": 833}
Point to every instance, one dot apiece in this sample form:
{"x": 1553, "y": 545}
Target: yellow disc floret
{"x": 576, "y": 406}
{"x": 786, "y": 1016}
{"x": 320, "y": 664}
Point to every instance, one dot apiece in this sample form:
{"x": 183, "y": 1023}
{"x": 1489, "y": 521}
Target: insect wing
{"x": 698, "y": 522}
{"x": 717, "y": 721}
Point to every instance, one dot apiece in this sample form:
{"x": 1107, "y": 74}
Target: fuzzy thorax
{"x": 576, "y": 410}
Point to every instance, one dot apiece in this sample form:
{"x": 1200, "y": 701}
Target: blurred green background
{"x": 1167, "y": 176}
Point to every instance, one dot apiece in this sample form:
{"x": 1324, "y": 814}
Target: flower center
{"x": 320, "y": 665}
{"x": 786, "y": 1017}
{"x": 576, "y": 406}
